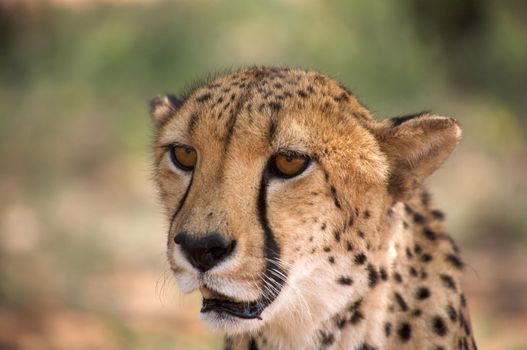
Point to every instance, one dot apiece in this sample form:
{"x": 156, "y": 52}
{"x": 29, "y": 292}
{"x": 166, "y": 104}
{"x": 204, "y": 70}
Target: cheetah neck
{"x": 417, "y": 302}
{"x": 357, "y": 324}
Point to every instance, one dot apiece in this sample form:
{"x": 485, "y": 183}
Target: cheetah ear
{"x": 415, "y": 145}
{"x": 163, "y": 107}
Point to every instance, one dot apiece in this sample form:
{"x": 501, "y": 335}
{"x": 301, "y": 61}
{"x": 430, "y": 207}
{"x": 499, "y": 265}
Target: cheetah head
{"x": 278, "y": 185}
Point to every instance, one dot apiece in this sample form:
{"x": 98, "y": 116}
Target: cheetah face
{"x": 260, "y": 173}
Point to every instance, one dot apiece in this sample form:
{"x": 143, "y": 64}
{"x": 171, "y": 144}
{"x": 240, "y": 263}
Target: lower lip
{"x": 250, "y": 310}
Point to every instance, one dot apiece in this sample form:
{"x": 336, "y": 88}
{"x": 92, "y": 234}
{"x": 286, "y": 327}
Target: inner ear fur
{"x": 415, "y": 146}
{"x": 162, "y": 107}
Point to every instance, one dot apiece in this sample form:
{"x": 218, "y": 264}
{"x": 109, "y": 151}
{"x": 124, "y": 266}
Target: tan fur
{"x": 362, "y": 194}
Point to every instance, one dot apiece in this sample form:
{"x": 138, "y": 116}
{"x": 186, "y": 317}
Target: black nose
{"x": 204, "y": 252}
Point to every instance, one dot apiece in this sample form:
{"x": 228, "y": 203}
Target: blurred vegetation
{"x": 74, "y": 133}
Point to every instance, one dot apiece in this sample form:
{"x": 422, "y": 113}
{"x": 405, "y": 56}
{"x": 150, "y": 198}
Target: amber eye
{"x": 289, "y": 164}
{"x": 184, "y": 157}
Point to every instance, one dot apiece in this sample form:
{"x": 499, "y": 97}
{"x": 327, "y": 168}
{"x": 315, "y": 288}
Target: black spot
{"x": 448, "y": 281}
{"x": 340, "y": 322}
{"x": 418, "y": 218}
{"x": 341, "y": 97}
{"x": 326, "y": 175}
{"x": 417, "y": 312}
{"x": 334, "y": 194}
{"x": 384, "y": 274}
{"x": 356, "y": 317}
{"x": 426, "y": 258}
{"x": 409, "y": 254}
{"x": 367, "y": 214}
{"x": 463, "y": 300}
{"x": 344, "y": 280}
{"x": 350, "y": 221}
{"x": 355, "y": 305}
{"x": 387, "y": 329}
{"x": 404, "y": 331}
{"x": 425, "y": 198}
{"x": 398, "y": 278}
{"x": 226, "y": 106}
{"x": 360, "y": 233}
{"x": 452, "y": 314}
{"x": 373, "y": 276}
{"x": 454, "y": 260}
{"x": 327, "y": 338}
{"x": 438, "y": 214}
{"x": 278, "y": 85}
{"x": 275, "y": 106}
{"x": 360, "y": 258}
{"x": 323, "y": 227}
{"x": 337, "y": 235}
{"x": 422, "y": 293}
{"x": 418, "y": 249}
{"x": 408, "y": 208}
{"x": 302, "y": 93}
{"x": 439, "y": 326}
{"x": 357, "y": 212}
{"x": 366, "y": 346}
{"x": 401, "y": 302}
{"x": 204, "y": 97}
{"x": 327, "y": 249}
{"x": 413, "y": 271}
{"x": 349, "y": 246}
{"x": 331, "y": 260}
{"x": 431, "y": 235}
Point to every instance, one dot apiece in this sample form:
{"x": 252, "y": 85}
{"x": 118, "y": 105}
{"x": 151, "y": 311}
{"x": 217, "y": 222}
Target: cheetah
{"x": 302, "y": 220}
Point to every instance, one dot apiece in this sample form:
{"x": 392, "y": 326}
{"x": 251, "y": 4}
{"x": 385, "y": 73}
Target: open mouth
{"x": 214, "y": 301}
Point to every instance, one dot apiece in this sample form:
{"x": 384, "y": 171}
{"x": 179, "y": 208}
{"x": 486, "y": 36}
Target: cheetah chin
{"x": 303, "y": 221}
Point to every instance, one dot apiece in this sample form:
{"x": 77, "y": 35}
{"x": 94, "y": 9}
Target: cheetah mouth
{"x": 221, "y": 304}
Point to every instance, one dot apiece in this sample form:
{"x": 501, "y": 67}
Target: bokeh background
{"x": 82, "y": 235}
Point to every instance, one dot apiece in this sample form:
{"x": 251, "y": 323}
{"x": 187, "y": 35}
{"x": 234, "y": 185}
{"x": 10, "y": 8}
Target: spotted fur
{"x": 350, "y": 254}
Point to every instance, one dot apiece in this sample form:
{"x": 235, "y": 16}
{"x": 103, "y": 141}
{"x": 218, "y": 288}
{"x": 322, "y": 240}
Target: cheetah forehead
{"x": 261, "y": 97}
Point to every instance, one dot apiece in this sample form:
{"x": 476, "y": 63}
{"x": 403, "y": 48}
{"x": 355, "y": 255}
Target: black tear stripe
{"x": 252, "y": 344}
{"x": 275, "y": 275}
{"x": 180, "y": 204}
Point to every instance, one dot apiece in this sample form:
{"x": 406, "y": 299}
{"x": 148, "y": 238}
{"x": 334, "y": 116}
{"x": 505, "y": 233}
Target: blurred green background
{"x": 82, "y": 262}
